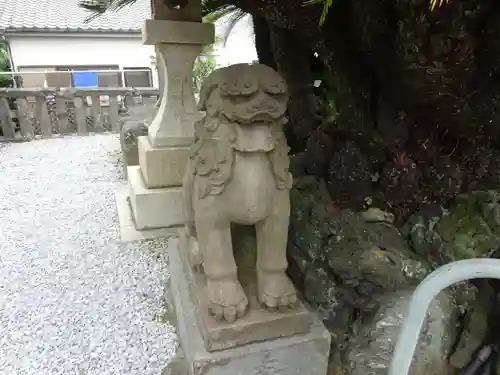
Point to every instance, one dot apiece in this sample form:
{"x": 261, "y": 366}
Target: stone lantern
{"x": 155, "y": 185}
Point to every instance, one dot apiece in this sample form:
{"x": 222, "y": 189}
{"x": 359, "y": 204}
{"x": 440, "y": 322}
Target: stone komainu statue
{"x": 238, "y": 173}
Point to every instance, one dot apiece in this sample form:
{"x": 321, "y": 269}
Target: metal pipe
{"x": 482, "y": 357}
{"x": 426, "y": 291}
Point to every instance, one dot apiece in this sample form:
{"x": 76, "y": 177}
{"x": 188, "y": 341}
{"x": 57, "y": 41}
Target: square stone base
{"x": 258, "y": 324}
{"x": 153, "y": 208}
{"x": 293, "y": 355}
{"x": 161, "y": 167}
{"x": 128, "y": 231}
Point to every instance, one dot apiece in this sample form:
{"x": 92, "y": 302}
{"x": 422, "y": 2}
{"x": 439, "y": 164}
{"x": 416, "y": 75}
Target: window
{"x": 58, "y": 79}
{"x": 33, "y": 76}
{"x": 61, "y": 76}
{"x": 104, "y": 79}
{"x": 138, "y": 77}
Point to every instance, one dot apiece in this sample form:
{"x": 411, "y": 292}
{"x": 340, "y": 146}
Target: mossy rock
{"x": 371, "y": 348}
{"x": 365, "y": 254}
{"x": 343, "y": 261}
{"x": 469, "y": 228}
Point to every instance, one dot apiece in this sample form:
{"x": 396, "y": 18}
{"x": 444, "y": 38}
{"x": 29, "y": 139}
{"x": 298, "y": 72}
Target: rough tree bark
{"x": 417, "y": 94}
{"x": 283, "y": 50}
{"x": 263, "y": 42}
{"x": 292, "y": 56}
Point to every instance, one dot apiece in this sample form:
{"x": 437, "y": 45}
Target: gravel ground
{"x": 73, "y": 299}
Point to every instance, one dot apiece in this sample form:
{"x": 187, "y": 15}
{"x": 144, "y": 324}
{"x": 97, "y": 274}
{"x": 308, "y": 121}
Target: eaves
{"x": 70, "y": 32}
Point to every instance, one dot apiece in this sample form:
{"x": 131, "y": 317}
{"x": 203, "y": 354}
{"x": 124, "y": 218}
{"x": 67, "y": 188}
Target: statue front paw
{"x": 276, "y": 291}
{"x": 227, "y": 299}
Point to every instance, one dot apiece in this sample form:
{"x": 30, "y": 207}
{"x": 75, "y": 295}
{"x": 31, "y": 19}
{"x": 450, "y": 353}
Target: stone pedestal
{"x": 258, "y": 324}
{"x": 155, "y": 185}
{"x": 161, "y": 166}
{"x": 294, "y": 354}
{"x": 129, "y": 135}
{"x": 153, "y": 208}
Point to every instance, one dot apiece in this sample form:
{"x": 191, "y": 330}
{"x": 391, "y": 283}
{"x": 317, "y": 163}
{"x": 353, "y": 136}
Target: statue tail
{"x": 194, "y": 254}
{"x": 187, "y": 199}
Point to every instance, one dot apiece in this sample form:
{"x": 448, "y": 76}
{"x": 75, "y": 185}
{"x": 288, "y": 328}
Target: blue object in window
{"x": 85, "y": 79}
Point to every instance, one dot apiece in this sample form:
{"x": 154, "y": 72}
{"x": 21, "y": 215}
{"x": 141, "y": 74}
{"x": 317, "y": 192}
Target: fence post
{"x": 53, "y": 116}
{"x": 42, "y": 114}
{"x": 96, "y": 113}
{"x": 62, "y": 115}
{"x": 6, "y": 119}
{"x": 113, "y": 113}
{"x": 23, "y": 116}
{"x": 81, "y": 121}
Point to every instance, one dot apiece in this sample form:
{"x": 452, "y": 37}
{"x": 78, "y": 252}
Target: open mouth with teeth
{"x": 246, "y": 117}
{"x": 263, "y": 119}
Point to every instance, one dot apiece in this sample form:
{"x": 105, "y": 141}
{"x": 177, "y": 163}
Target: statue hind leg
{"x": 227, "y": 298}
{"x": 276, "y": 291}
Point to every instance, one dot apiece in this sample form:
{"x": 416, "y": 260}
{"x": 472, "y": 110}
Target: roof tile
{"x": 67, "y": 15}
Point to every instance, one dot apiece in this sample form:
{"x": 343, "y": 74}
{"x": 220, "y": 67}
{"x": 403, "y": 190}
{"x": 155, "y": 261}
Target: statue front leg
{"x": 275, "y": 288}
{"x": 227, "y": 298}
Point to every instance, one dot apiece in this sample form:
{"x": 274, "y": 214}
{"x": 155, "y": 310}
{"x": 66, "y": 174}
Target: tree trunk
{"x": 292, "y": 56}
{"x": 417, "y": 94}
{"x": 263, "y": 42}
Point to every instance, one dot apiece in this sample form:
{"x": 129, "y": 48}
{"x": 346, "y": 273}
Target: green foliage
{"x": 5, "y": 80}
{"x": 211, "y": 9}
{"x": 326, "y": 93}
{"x": 233, "y": 14}
{"x": 328, "y": 3}
{"x": 153, "y": 62}
{"x": 326, "y": 7}
{"x": 203, "y": 66}
{"x": 437, "y": 3}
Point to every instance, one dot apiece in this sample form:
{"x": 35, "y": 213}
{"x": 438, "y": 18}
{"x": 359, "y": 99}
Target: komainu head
{"x": 245, "y": 93}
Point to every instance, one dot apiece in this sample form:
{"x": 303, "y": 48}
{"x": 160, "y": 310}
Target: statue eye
{"x": 236, "y": 87}
{"x": 276, "y": 87}
{"x": 248, "y": 87}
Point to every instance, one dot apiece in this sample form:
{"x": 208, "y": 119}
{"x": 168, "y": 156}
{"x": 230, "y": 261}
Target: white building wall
{"x": 124, "y": 51}
{"x": 85, "y": 50}
{"x": 89, "y": 50}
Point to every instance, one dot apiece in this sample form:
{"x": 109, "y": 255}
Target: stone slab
{"x": 153, "y": 208}
{"x": 178, "y": 32}
{"x": 128, "y": 231}
{"x": 258, "y": 325}
{"x": 161, "y": 166}
{"x": 293, "y": 355}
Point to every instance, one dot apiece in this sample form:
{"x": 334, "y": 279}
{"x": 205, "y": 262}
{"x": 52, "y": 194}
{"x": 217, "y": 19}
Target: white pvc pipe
{"x": 428, "y": 289}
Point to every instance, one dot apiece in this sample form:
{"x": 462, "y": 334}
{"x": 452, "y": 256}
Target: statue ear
{"x": 209, "y": 85}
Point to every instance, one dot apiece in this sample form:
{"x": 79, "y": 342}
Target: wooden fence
{"x": 26, "y": 114}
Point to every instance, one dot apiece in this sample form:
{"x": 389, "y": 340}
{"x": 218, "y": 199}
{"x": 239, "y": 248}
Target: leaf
{"x": 311, "y": 2}
{"x": 217, "y": 13}
{"x": 324, "y": 12}
{"x": 437, "y": 3}
{"x": 98, "y": 7}
{"x": 326, "y": 7}
{"x": 234, "y": 17}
